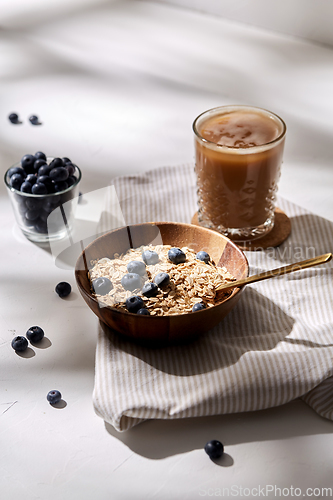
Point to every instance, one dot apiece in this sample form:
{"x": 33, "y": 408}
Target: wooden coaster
{"x": 279, "y": 233}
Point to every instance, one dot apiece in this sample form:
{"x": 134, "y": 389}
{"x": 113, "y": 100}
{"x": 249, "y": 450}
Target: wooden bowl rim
{"x": 90, "y": 296}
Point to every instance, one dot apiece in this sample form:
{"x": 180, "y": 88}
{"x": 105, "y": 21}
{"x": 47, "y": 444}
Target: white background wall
{"x": 311, "y": 19}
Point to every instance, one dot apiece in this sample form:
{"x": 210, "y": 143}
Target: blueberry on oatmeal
{"x": 198, "y": 307}
{"x": 204, "y": 256}
{"x": 134, "y": 304}
{"x": 102, "y": 286}
{"x": 131, "y": 281}
{"x": 150, "y": 257}
{"x": 143, "y": 311}
{"x": 176, "y": 255}
{"x": 162, "y": 280}
{"x": 149, "y": 290}
{"x": 136, "y": 266}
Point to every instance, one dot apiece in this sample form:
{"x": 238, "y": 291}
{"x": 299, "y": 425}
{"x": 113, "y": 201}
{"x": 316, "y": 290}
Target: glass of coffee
{"x": 239, "y": 152}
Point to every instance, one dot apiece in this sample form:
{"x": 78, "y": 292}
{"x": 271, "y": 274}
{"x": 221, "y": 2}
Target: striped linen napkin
{"x": 275, "y": 345}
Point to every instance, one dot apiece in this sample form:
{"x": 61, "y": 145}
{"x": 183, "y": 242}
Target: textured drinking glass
{"x": 46, "y": 217}
{"x": 239, "y": 152}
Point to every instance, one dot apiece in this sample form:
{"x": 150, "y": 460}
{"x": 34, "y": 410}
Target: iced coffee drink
{"x": 239, "y": 153}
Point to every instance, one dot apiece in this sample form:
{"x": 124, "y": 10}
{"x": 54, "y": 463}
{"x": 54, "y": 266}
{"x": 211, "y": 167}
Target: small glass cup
{"x": 239, "y": 152}
{"x": 46, "y": 217}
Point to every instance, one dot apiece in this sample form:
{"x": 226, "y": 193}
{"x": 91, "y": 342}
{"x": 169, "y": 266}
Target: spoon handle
{"x": 296, "y": 266}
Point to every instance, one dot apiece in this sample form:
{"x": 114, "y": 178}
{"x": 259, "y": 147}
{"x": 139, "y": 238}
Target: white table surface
{"x": 117, "y": 86}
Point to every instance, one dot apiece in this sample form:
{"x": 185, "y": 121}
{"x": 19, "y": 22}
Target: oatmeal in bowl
{"x": 158, "y": 281}
{"x": 190, "y": 282}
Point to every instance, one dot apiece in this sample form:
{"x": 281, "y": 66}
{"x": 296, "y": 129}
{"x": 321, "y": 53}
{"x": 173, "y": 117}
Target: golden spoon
{"x": 321, "y": 259}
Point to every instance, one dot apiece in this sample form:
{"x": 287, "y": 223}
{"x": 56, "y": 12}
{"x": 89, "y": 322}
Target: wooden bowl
{"x": 162, "y": 329}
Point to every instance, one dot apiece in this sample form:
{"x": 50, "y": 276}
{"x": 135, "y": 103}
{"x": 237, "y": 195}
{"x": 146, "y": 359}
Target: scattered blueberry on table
{"x": 53, "y": 397}
{"x": 134, "y": 304}
{"x": 34, "y": 120}
{"x": 13, "y": 118}
{"x": 63, "y": 289}
{"x": 162, "y": 280}
{"x": 131, "y": 281}
{"x": 204, "y": 256}
{"x": 35, "y": 334}
{"x": 214, "y": 449}
{"x": 150, "y": 257}
{"x": 198, "y": 306}
{"x": 176, "y": 255}
{"x": 19, "y": 343}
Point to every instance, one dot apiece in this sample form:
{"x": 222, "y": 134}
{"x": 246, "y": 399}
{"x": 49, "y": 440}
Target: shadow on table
{"x": 157, "y": 439}
{"x": 243, "y": 330}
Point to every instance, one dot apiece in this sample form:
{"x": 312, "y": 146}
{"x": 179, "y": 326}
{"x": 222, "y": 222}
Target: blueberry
{"x": 214, "y": 449}
{"x": 53, "y": 397}
{"x": 134, "y": 303}
{"x": 137, "y": 266}
{"x": 102, "y": 286}
{"x": 29, "y": 223}
{"x": 176, "y": 255}
{"x": 27, "y": 163}
{"x": 198, "y": 307}
{"x": 31, "y": 178}
{"x": 56, "y": 162}
{"x": 22, "y": 206}
{"x": 19, "y": 343}
{"x": 204, "y": 256}
{"x": 59, "y": 174}
{"x": 150, "y": 257}
{"x": 71, "y": 181}
{"x": 40, "y": 226}
{"x": 13, "y": 118}
{"x": 39, "y": 188}
{"x": 16, "y": 170}
{"x": 149, "y": 290}
{"x": 44, "y": 170}
{"x": 40, "y": 155}
{"x": 63, "y": 289}
{"x": 43, "y": 215}
{"x": 143, "y": 311}
{"x": 32, "y": 215}
{"x": 162, "y": 280}
{"x": 33, "y": 203}
{"x": 35, "y": 334}
{"x": 70, "y": 167}
{"x": 60, "y": 186}
{"x": 16, "y": 181}
{"x": 66, "y": 160}
{"x": 34, "y": 120}
{"x": 131, "y": 281}
{"x": 25, "y": 187}
{"x": 47, "y": 181}
{"x": 39, "y": 163}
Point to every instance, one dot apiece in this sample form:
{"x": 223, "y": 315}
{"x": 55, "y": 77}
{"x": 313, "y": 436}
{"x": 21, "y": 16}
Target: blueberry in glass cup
{"x": 44, "y": 193}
